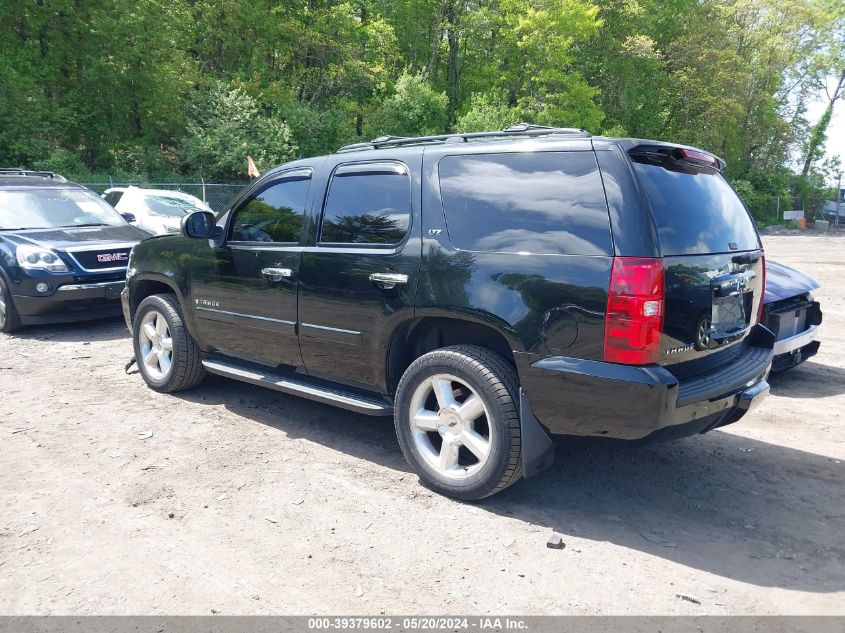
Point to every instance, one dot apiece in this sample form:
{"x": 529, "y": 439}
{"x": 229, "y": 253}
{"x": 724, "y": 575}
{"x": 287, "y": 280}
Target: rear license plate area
{"x": 730, "y": 315}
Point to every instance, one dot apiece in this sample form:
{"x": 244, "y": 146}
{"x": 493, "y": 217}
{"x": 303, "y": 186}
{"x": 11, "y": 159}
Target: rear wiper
{"x": 76, "y": 226}
{"x": 16, "y": 228}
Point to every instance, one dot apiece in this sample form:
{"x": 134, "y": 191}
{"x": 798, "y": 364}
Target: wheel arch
{"x": 143, "y": 286}
{"x": 425, "y": 333}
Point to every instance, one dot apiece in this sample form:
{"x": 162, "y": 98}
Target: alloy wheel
{"x": 450, "y": 426}
{"x": 156, "y": 345}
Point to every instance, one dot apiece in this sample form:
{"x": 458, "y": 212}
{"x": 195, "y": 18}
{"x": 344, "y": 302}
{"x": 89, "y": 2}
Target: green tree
{"x": 487, "y": 112}
{"x": 415, "y": 109}
{"x": 226, "y": 126}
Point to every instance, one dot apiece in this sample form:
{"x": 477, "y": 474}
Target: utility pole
{"x": 838, "y": 197}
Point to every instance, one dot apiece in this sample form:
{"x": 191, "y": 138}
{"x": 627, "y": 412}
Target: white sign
{"x": 793, "y": 215}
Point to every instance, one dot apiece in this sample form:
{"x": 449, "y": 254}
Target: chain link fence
{"x": 216, "y": 195}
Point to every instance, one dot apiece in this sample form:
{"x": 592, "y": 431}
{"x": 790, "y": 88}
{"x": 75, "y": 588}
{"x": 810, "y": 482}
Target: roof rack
{"x": 519, "y": 130}
{"x": 15, "y": 171}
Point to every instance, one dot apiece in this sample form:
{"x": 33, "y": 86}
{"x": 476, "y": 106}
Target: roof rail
{"x": 519, "y": 130}
{"x": 15, "y": 171}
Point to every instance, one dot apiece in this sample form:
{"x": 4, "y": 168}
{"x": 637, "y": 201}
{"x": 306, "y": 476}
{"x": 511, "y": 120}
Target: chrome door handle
{"x": 388, "y": 280}
{"x": 276, "y": 274}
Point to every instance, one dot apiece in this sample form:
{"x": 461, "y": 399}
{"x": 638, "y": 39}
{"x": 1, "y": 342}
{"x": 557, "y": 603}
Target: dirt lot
{"x": 244, "y": 501}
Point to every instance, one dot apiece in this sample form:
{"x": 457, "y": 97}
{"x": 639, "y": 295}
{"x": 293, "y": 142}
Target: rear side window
{"x": 274, "y": 214}
{"x": 695, "y": 212}
{"x": 367, "y": 203}
{"x": 537, "y": 202}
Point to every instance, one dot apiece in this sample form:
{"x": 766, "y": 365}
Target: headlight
{"x": 31, "y": 256}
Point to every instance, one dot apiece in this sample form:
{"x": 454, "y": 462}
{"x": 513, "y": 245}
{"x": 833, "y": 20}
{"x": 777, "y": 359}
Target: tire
{"x": 9, "y": 318}
{"x": 467, "y": 449}
{"x": 180, "y": 369}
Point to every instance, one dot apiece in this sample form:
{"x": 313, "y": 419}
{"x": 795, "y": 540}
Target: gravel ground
{"x": 235, "y": 500}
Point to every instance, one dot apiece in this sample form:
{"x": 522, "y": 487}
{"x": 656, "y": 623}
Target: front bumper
{"x": 71, "y": 302}
{"x": 796, "y": 342}
{"x": 596, "y": 399}
{"x": 794, "y": 357}
{"x": 796, "y": 327}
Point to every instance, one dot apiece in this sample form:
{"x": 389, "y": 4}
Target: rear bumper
{"x": 71, "y": 302}
{"x": 597, "y": 399}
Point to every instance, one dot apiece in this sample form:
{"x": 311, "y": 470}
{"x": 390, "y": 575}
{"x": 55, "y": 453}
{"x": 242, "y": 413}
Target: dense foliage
{"x": 156, "y": 87}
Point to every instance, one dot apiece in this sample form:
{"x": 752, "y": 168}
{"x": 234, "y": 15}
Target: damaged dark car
{"x": 792, "y": 314}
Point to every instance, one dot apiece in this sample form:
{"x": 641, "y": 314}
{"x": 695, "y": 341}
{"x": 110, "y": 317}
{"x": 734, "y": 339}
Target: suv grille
{"x": 101, "y": 259}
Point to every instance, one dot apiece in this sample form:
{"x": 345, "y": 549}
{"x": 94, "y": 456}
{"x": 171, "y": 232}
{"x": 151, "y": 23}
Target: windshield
{"x": 170, "y": 207}
{"x": 54, "y": 208}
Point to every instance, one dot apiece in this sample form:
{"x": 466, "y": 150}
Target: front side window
{"x": 51, "y": 208}
{"x": 274, "y": 214}
{"x": 532, "y": 202}
{"x": 367, "y": 204}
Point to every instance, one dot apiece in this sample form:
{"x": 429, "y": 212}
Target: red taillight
{"x": 690, "y": 154}
{"x": 762, "y": 292}
{"x": 635, "y": 306}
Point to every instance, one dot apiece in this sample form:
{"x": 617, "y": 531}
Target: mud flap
{"x": 538, "y": 449}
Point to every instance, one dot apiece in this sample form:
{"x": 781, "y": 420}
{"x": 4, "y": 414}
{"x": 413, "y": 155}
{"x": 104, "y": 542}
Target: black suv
{"x": 489, "y": 290}
{"x": 63, "y": 251}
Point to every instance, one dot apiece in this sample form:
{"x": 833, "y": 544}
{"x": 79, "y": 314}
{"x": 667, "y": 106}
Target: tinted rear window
{"x": 696, "y": 212}
{"x": 367, "y": 204}
{"x": 537, "y": 202}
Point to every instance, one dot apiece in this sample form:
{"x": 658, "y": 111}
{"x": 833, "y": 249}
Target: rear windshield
{"x": 695, "y": 212}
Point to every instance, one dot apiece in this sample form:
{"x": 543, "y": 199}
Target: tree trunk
{"x": 818, "y": 132}
{"x": 452, "y": 73}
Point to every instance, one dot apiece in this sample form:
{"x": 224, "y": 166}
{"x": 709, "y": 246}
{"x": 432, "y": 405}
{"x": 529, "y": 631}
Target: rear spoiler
{"x": 678, "y": 154}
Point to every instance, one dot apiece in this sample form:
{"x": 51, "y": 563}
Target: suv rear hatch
{"x": 712, "y": 258}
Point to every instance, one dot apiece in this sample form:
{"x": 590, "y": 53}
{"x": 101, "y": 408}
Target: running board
{"x": 301, "y": 387}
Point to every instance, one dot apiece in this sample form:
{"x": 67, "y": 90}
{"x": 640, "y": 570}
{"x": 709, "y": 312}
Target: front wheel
{"x": 457, "y": 421}
{"x": 167, "y": 356}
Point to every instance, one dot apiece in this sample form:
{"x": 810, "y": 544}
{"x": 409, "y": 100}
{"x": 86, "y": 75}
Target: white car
{"x": 157, "y": 211}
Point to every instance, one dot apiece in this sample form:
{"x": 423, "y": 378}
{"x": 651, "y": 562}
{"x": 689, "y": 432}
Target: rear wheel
{"x": 9, "y": 319}
{"x": 167, "y": 356}
{"x": 457, "y": 421}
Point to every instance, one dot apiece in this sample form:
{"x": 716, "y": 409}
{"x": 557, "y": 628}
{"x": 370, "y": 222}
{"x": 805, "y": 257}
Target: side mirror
{"x": 129, "y": 217}
{"x": 198, "y": 224}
